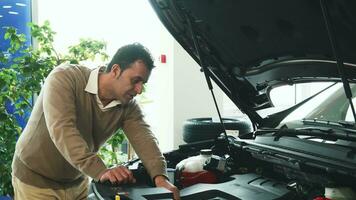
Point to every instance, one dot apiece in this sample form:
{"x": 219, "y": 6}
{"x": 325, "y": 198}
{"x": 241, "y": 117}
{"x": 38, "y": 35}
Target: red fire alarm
{"x": 162, "y": 58}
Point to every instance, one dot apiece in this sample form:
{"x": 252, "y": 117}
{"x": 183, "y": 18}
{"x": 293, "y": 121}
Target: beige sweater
{"x": 66, "y": 129}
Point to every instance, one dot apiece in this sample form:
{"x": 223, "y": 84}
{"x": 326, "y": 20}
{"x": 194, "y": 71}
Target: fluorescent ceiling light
{"x": 13, "y": 13}
{"x": 21, "y": 4}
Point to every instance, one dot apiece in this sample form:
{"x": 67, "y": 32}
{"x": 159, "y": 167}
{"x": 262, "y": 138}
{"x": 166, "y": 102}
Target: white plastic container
{"x": 340, "y": 193}
{"x": 195, "y": 163}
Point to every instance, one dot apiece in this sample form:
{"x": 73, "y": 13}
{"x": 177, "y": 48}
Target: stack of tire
{"x": 198, "y": 129}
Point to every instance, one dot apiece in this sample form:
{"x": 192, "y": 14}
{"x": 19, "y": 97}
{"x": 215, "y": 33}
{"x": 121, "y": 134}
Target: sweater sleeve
{"x": 143, "y": 141}
{"x": 60, "y": 115}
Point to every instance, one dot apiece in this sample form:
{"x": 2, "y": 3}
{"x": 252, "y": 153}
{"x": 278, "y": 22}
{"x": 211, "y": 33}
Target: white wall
{"x": 159, "y": 112}
{"x": 192, "y": 97}
{"x": 178, "y": 91}
{"x": 118, "y": 22}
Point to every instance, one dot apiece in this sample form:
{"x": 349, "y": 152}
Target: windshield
{"x": 330, "y": 105}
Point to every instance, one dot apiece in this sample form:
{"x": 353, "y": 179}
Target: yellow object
{"x": 117, "y": 197}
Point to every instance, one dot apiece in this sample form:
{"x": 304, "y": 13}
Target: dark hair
{"x": 129, "y": 54}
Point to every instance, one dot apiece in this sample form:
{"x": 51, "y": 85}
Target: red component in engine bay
{"x": 191, "y": 178}
{"x": 321, "y": 198}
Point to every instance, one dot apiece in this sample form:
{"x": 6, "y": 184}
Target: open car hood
{"x": 248, "y": 47}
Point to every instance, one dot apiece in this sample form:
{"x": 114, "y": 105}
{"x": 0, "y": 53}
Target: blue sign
{"x": 15, "y": 14}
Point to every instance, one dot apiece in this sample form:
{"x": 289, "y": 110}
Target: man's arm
{"x": 146, "y": 146}
{"x": 60, "y": 115}
{"x": 143, "y": 141}
{"x": 161, "y": 181}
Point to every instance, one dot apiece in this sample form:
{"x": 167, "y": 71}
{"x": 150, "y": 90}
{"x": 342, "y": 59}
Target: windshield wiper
{"x": 319, "y": 132}
{"x": 345, "y": 125}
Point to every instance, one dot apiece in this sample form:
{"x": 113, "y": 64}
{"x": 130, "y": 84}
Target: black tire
{"x": 198, "y": 129}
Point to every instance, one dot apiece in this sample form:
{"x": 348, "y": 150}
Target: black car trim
{"x": 267, "y": 147}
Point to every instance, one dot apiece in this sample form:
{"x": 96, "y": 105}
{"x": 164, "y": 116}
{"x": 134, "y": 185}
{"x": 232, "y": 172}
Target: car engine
{"x": 260, "y": 168}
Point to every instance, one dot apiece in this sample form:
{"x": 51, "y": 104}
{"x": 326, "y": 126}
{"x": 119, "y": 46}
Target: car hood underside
{"x": 247, "y": 47}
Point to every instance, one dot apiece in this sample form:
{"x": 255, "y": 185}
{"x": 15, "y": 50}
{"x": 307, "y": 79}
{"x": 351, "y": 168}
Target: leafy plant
{"x": 111, "y": 151}
{"x": 21, "y": 78}
{"x": 87, "y": 49}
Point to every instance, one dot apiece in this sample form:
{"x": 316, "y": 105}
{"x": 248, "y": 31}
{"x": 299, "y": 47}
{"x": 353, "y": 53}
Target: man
{"x": 77, "y": 110}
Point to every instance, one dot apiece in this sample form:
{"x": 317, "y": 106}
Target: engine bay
{"x": 262, "y": 168}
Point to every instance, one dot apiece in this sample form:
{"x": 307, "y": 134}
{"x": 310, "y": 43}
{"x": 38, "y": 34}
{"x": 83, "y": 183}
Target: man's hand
{"x": 162, "y": 181}
{"x": 118, "y": 175}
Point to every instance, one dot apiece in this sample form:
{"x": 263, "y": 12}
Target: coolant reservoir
{"x": 340, "y": 193}
{"x": 195, "y": 163}
{"x": 191, "y": 170}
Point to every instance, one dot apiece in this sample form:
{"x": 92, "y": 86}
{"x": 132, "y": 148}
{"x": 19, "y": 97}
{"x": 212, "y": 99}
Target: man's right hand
{"x": 118, "y": 175}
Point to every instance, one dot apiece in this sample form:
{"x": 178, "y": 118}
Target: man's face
{"x": 128, "y": 83}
